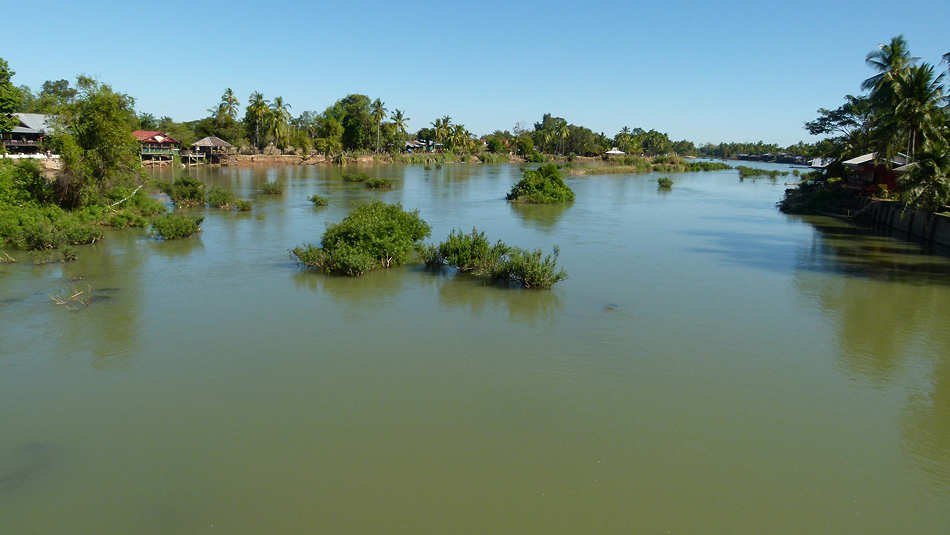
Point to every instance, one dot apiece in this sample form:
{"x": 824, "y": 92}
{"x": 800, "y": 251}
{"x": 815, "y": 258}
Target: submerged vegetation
{"x": 664, "y": 182}
{"x": 220, "y": 198}
{"x": 175, "y": 226}
{"x": 669, "y": 163}
{"x": 318, "y": 200}
{"x": 373, "y": 236}
{"x": 750, "y": 172}
{"x": 378, "y": 183}
{"x": 473, "y": 253}
{"x": 272, "y": 188}
{"x": 185, "y": 191}
{"x": 543, "y": 185}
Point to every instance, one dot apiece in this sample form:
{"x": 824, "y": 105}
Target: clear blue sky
{"x": 718, "y": 71}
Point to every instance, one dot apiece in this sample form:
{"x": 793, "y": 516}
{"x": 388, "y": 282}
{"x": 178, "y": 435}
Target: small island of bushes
{"x": 543, "y": 185}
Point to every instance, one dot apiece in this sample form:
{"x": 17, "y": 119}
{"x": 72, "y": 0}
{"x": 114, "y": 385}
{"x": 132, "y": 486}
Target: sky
{"x": 721, "y": 71}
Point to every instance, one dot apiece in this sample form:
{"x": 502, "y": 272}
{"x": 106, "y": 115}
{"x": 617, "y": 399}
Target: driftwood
{"x": 120, "y": 201}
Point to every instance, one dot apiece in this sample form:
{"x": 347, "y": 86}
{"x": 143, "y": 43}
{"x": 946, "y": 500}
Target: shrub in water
{"x": 355, "y": 177}
{"x": 220, "y": 198}
{"x": 185, "y": 191}
{"x": 543, "y": 185}
{"x": 174, "y": 226}
{"x": 664, "y": 182}
{"x": 272, "y": 188}
{"x": 374, "y": 235}
{"x": 242, "y": 205}
{"x": 474, "y": 253}
{"x": 318, "y": 200}
{"x": 378, "y": 183}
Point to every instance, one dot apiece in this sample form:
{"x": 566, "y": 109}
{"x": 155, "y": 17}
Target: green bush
{"x": 664, "y": 182}
{"x": 318, "y": 200}
{"x": 534, "y": 157}
{"x": 541, "y": 186}
{"x": 374, "y": 235}
{"x": 378, "y": 183}
{"x": 705, "y": 166}
{"x": 747, "y": 172}
{"x": 220, "y": 198}
{"x": 185, "y": 191}
{"x": 174, "y": 226}
{"x": 355, "y": 177}
{"x": 126, "y": 218}
{"x": 473, "y": 253}
{"x": 46, "y": 227}
{"x": 272, "y": 188}
{"x": 242, "y": 205}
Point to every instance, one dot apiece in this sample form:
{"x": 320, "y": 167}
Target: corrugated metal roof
{"x": 900, "y": 159}
{"x": 33, "y": 123}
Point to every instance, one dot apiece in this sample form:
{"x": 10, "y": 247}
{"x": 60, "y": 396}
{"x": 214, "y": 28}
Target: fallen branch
{"x": 127, "y": 198}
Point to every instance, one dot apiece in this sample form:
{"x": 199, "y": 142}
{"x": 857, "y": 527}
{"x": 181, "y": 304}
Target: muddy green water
{"x": 710, "y": 366}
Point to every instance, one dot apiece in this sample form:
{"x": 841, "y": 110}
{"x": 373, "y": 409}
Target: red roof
{"x": 153, "y": 136}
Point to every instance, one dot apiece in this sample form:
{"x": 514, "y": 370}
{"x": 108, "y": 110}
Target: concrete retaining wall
{"x": 927, "y": 227}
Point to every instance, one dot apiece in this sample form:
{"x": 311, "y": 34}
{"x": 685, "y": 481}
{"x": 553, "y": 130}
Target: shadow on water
{"x": 23, "y": 465}
{"x": 542, "y": 217}
{"x": 836, "y": 247}
{"x": 478, "y": 296}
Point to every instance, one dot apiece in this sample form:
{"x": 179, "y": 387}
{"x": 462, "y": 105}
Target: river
{"x": 711, "y": 365}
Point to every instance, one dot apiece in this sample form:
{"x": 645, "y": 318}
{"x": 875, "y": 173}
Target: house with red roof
{"x": 157, "y": 145}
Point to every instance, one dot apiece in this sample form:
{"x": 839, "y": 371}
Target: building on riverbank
{"x": 27, "y": 137}
{"x": 868, "y": 172}
{"x": 157, "y": 145}
{"x": 213, "y": 148}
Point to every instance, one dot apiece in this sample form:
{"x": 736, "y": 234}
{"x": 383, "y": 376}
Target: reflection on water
{"x": 707, "y": 354}
{"x": 540, "y": 216}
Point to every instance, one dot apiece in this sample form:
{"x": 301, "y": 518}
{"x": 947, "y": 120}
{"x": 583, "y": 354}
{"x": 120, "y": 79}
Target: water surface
{"x": 710, "y": 366}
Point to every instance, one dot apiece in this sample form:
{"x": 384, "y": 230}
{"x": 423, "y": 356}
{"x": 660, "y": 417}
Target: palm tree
{"x": 257, "y": 112}
{"x": 561, "y": 131}
{"x": 887, "y": 60}
{"x": 229, "y": 103}
{"x": 442, "y": 128}
{"x": 926, "y": 185}
{"x": 378, "y": 110}
{"x": 399, "y": 120}
{"x": 919, "y": 97}
{"x": 279, "y": 116}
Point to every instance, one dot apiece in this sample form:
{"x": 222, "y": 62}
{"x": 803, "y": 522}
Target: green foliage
{"x": 378, "y": 183}
{"x": 355, "y": 177}
{"x": 372, "y": 236}
{"x": 21, "y": 181}
{"x": 541, "y": 186}
{"x": 242, "y": 205}
{"x": 705, "y": 166}
{"x": 534, "y": 157}
{"x": 45, "y": 227}
{"x": 220, "y": 198}
{"x": 473, "y": 253}
{"x": 272, "y": 188}
{"x": 9, "y": 98}
{"x": 94, "y": 141}
{"x": 926, "y": 186}
{"x": 664, "y": 182}
{"x": 318, "y": 200}
{"x": 747, "y": 172}
{"x": 175, "y": 226}
{"x": 185, "y": 191}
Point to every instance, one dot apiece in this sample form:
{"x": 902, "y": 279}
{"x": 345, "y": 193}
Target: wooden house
{"x": 27, "y": 137}
{"x": 157, "y": 145}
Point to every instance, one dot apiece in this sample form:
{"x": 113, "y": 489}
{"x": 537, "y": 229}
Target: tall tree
{"x": 400, "y": 120}
{"x": 229, "y": 104}
{"x": 9, "y": 98}
{"x": 919, "y": 97}
{"x": 256, "y": 115}
{"x": 379, "y": 113}
{"x": 279, "y": 118}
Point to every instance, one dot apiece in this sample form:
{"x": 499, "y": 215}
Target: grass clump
{"x": 378, "y": 183}
{"x": 543, "y": 185}
{"x": 175, "y": 226}
{"x": 220, "y": 198}
{"x": 373, "y": 236}
{"x": 705, "y": 166}
{"x": 664, "y": 182}
{"x": 242, "y": 205}
{"x": 749, "y": 172}
{"x": 272, "y": 188}
{"x": 355, "y": 177}
{"x": 185, "y": 191}
{"x": 473, "y": 253}
{"x": 318, "y": 200}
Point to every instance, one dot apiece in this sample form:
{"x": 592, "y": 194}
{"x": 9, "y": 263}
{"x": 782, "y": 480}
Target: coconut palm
{"x": 919, "y": 97}
{"x": 257, "y": 114}
{"x": 279, "y": 117}
{"x": 887, "y": 60}
{"x": 561, "y": 132}
{"x": 926, "y": 185}
{"x": 229, "y": 104}
{"x": 442, "y": 127}
{"x": 399, "y": 120}
{"x": 378, "y": 110}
